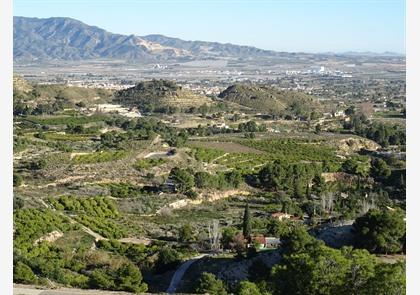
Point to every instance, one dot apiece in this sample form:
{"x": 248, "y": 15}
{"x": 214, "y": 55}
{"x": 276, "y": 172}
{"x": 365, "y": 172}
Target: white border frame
{"x": 6, "y": 154}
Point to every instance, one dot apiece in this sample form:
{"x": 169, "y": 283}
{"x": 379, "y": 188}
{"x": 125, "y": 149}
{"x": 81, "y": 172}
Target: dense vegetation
{"x": 381, "y": 231}
{"x": 384, "y": 134}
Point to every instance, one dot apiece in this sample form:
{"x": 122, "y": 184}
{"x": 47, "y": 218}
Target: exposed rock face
{"x": 339, "y": 176}
{"x": 50, "y": 237}
{"x": 352, "y": 145}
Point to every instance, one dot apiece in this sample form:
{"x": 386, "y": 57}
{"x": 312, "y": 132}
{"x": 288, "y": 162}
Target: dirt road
{"x": 177, "y": 277}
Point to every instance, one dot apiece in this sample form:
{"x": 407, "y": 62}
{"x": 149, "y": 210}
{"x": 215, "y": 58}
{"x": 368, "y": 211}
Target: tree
{"x": 186, "y": 233}
{"x": 357, "y": 167}
{"x": 17, "y": 179}
{"x": 389, "y": 279}
{"x": 23, "y": 274}
{"x": 248, "y": 288}
{"x": 228, "y": 236}
{"x": 250, "y": 126}
{"x": 246, "y": 226}
{"x": 183, "y": 180}
{"x": 317, "y": 271}
{"x": 380, "y": 231}
{"x": 129, "y": 278}
{"x": 297, "y": 239}
{"x": 209, "y": 284}
{"x": 361, "y": 269}
{"x": 239, "y": 244}
{"x": 168, "y": 258}
{"x": 38, "y": 164}
{"x": 100, "y": 279}
{"x": 278, "y": 228}
{"x": 214, "y": 235}
{"x": 380, "y": 169}
{"x": 318, "y": 184}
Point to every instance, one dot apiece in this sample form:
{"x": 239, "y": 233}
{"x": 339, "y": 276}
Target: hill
{"x": 269, "y": 99}
{"x": 160, "y": 96}
{"x": 40, "y": 99}
{"x": 61, "y": 38}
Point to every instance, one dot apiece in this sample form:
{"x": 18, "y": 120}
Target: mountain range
{"x": 61, "y": 38}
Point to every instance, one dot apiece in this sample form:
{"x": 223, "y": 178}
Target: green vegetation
{"x": 206, "y": 155}
{"x": 99, "y": 157}
{"x": 221, "y": 181}
{"x": 182, "y": 179}
{"x": 17, "y": 179}
{"x": 381, "y": 231}
{"x": 97, "y": 206}
{"x": 246, "y": 226}
{"x": 310, "y": 267}
{"x": 384, "y": 134}
{"x": 66, "y": 137}
{"x": 149, "y": 163}
{"x": 291, "y": 150}
{"x": 97, "y": 213}
{"x": 209, "y": 284}
{"x": 31, "y": 224}
{"x": 294, "y": 179}
{"x": 123, "y": 190}
{"x": 269, "y": 99}
{"x": 105, "y": 227}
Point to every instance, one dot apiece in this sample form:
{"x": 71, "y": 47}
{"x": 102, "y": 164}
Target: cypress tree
{"x": 246, "y": 227}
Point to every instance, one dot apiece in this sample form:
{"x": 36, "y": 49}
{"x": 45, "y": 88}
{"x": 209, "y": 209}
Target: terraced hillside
{"x": 269, "y": 99}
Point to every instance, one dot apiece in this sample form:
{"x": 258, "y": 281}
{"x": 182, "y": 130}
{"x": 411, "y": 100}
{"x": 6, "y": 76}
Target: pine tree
{"x": 246, "y": 228}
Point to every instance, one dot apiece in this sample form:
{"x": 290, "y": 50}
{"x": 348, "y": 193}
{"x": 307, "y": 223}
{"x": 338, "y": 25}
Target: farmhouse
{"x": 266, "y": 242}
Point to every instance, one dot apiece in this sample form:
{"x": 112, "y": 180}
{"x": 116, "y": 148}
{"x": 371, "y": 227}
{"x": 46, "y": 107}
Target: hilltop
{"x": 159, "y": 95}
{"x": 269, "y": 99}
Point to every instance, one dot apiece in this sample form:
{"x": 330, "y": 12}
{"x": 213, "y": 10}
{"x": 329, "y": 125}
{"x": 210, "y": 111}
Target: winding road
{"x": 177, "y": 277}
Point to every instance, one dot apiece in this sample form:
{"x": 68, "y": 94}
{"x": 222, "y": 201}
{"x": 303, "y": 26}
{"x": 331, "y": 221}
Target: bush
{"x": 209, "y": 284}
{"x": 182, "y": 178}
{"x": 17, "y": 179}
{"x": 168, "y": 259}
{"x": 23, "y": 274}
{"x": 248, "y": 288}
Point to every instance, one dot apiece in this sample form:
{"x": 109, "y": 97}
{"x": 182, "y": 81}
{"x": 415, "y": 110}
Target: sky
{"x": 281, "y": 25}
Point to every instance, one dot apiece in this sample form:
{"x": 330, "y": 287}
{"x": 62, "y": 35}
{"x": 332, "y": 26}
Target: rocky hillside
{"x": 60, "y": 38}
{"x": 268, "y": 99}
{"x": 159, "y": 96}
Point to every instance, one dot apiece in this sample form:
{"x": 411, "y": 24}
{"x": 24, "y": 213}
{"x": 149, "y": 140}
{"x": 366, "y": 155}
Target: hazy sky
{"x": 283, "y": 25}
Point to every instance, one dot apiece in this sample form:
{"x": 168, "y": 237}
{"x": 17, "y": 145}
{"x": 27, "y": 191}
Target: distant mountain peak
{"x": 64, "y": 38}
